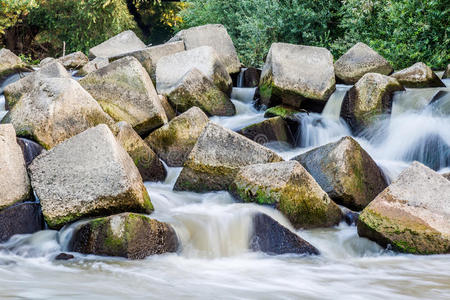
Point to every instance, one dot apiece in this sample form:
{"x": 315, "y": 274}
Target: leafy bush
{"x": 14, "y": 11}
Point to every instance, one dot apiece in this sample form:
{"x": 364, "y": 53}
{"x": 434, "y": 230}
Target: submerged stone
{"x": 418, "y": 75}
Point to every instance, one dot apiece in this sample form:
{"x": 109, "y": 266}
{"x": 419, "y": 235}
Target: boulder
{"x": 196, "y": 89}
{"x": 271, "y": 237}
{"x": 74, "y": 60}
{"x": 359, "y": 60}
{"x": 291, "y": 189}
{"x": 345, "y": 171}
{"x": 285, "y": 112}
{"x": 30, "y": 149}
{"x": 46, "y": 61}
{"x": 150, "y": 56}
{"x": 64, "y": 256}
{"x": 446, "y": 175}
{"x": 217, "y": 157}
{"x": 23, "y": 218}
{"x": 9, "y": 63}
{"x": 418, "y": 75}
{"x": 93, "y": 65}
{"x": 124, "y": 42}
{"x": 370, "y": 97}
{"x": 213, "y": 35}
{"x": 250, "y": 77}
{"x": 170, "y": 112}
{"x": 125, "y": 91}
{"x": 295, "y": 73}
{"x": 446, "y": 72}
{"x": 57, "y": 109}
{"x": 16, "y": 90}
{"x": 90, "y": 174}
{"x": 126, "y": 235}
{"x": 412, "y": 214}
{"x": 144, "y": 158}
{"x": 270, "y": 130}
{"x": 14, "y": 182}
{"x": 174, "y": 141}
{"x": 171, "y": 69}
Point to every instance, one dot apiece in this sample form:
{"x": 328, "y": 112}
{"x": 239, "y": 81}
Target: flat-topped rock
{"x": 412, "y": 214}
{"x": 271, "y": 130}
{"x": 359, "y": 60}
{"x": 418, "y": 75}
{"x": 213, "y": 35}
{"x": 125, "y": 91}
{"x": 88, "y": 175}
{"x": 123, "y": 42}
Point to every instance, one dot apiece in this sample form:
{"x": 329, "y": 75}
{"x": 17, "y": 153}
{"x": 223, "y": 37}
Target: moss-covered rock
{"x": 55, "y": 110}
{"x": 270, "y": 130}
{"x": 90, "y": 174}
{"x": 291, "y": 189}
{"x": 144, "y": 158}
{"x": 359, "y": 60}
{"x": 170, "y": 112}
{"x": 345, "y": 171}
{"x": 418, "y": 75}
{"x": 217, "y": 157}
{"x": 74, "y": 60}
{"x": 412, "y": 214}
{"x": 369, "y": 98}
{"x": 283, "y": 111}
{"x": 9, "y": 63}
{"x": 296, "y": 73}
{"x": 124, "y": 90}
{"x": 14, "y": 182}
{"x": 127, "y": 235}
{"x": 174, "y": 141}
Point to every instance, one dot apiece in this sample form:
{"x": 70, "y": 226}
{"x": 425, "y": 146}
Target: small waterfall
{"x": 332, "y": 109}
{"x": 3, "y": 111}
{"x": 413, "y": 100}
{"x": 240, "y": 78}
{"x": 243, "y": 94}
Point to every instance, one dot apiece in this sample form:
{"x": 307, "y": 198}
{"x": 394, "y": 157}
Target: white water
{"x": 214, "y": 261}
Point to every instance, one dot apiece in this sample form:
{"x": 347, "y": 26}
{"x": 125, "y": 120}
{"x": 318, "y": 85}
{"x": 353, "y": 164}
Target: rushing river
{"x": 214, "y": 262}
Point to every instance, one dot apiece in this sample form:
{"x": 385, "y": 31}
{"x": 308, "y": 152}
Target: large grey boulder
{"x": 90, "y": 174}
{"x": 123, "y": 42}
{"x": 174, "y": 141}
{"x": 144, "y": 157}
{"x": 418, "y": 75}
{"x": 22, "y": 218}
{"x": 127, "y": 235}
{"x": 172, "y": 68}
{"x": 93, "y": 65}
{"x": 217, "y": 157}
{"x": 196, "y": 89}
{"x": 345, "y": 171}
{"x": 271, "y": 130}
{"x": 74, "y": 60}
{"x": 291, "y": 189}
{"x": 9, "y": 63}
{"x": 150, "y": 56}
{"x": 57, "y": 109}
{"x": 125, "y": 91}
{"x": 294, "y": 73}
{"x": 15, "y": 91}
{"x": 412, "y": 214}
{"x": 359, "y": 60}
{"x": 14, "y": 182}
{"x": 213, "y": 35}
{"x": 271, "y": 237}
{"x": 369, "y": 98}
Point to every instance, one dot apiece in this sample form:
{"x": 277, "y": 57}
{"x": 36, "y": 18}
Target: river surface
{"x": 214, "y": 261}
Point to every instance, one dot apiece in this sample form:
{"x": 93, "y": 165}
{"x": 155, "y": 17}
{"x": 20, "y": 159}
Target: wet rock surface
{"x": 22, "y": 218}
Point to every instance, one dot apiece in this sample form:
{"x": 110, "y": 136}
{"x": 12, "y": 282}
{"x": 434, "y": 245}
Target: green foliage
{"x": 13, "y": 12}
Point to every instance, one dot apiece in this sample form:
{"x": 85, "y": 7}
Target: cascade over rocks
{"x": 270, "y": 130}
{"x": 370, "y": 97}
{"x": 90, "y": 174}
{"x": 195, "y": 89}
{"x": 124, "y": 42}
{"x": 16, "y": 90}
{"x": 14, "y": 182}
{"x": 412, "y": 214}
{"x": 418, "y": 75}
{"x": 271, "y": 237}
{"x": 22, "y": 218}
{"x": 359, "y": 60}
{"x": 171, "y": 69}
{"x": 127, "y": 235}
{"x": 55, "y": 110}
{"x": 174, "y": 141}
{"x": 217, "y": 157}
{"x": 124, "y": 90}
{"x": 74, "y": 60}
{"x": 144, "y": 158}
{"x": 9, "y": 63}
{"x": 291, "y": 189}
{"x": 345, "y": 171}
{"x": 150, "y": 56}
{"x": 295, "y": 73}
{"x": 213, "y": 35}
{"x": 93, "y": 65}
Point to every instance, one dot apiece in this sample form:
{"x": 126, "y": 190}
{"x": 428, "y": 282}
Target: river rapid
{"x": 214, "y": 260}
